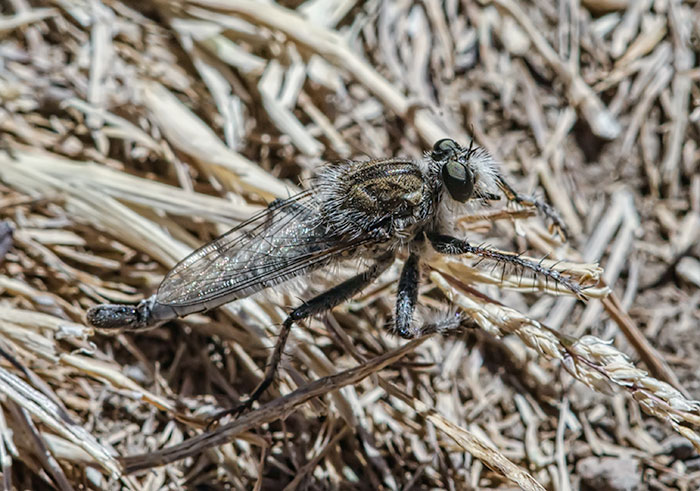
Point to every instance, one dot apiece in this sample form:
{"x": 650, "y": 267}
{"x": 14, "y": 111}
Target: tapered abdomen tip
{"x": 113, "y": 316}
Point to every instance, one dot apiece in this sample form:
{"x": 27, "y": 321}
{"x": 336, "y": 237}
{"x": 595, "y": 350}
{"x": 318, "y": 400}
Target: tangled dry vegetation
{"x": 131, "y": 132}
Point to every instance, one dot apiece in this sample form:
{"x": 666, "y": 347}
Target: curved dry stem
{"x": 589, "y": 360}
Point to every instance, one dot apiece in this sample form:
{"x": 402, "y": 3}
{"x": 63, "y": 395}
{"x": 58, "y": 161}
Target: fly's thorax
{"x": 375, "y": 196}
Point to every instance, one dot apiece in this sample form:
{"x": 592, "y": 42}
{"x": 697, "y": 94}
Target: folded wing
{"x": 287, "y": 239}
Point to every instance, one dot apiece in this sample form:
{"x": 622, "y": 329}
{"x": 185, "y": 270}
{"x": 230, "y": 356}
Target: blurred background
{"x": 132, "y": 132}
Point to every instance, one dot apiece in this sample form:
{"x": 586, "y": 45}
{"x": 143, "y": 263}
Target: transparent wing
{"x": 283, "y": 241}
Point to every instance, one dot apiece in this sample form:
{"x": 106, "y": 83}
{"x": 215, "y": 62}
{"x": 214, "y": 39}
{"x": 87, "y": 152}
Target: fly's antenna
{"x": 471, "y": 148}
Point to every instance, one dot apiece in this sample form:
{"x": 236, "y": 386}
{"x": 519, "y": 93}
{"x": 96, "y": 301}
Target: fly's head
{"x": 464, "y": 172}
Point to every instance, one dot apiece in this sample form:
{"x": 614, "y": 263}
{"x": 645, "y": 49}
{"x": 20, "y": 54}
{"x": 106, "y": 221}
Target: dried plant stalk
{"x": 590, "y": 360}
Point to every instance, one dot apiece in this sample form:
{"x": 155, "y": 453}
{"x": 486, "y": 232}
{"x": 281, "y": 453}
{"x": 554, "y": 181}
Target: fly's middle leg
{"x": 321, "y": 303}
{"x": 446, "y": 244}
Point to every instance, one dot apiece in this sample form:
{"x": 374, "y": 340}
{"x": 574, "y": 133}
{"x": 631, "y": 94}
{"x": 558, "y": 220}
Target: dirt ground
{"x": 133, "y": 132}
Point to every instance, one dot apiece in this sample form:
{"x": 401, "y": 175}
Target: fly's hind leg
{"x": 406, "y": 296}
{"x": 544, "y": 208}
{"x": 321, "y": 303}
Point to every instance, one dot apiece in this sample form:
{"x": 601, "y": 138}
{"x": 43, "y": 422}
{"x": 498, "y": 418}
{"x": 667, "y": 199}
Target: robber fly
{"x": 367, "y": 210}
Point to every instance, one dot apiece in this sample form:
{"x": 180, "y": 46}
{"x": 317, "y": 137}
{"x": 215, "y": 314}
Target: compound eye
{"x": 458, "y": 180}
{"x": 444, "y": 148}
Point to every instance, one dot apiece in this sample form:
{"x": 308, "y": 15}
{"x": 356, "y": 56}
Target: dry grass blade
{"x": 51, "y": 415}
{"x": 127, "y": 188}
{"x": 184, "y": 130}
{"x": 580, "y": 94}
{"x": 589, "y": 359}
{"x": 132, "y": 133}
{"x": 470, "y": 442}
{"x": 658, "y": 367}
{"x": 493, "y": 459}
{"x": 277, "y": 409}
{"x": 333, "y": 48}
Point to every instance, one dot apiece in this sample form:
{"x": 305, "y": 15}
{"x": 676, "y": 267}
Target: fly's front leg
{"x": 321, "y": 303}
{"x": 544, "y": 208}
{"x": 445, "y": 244}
